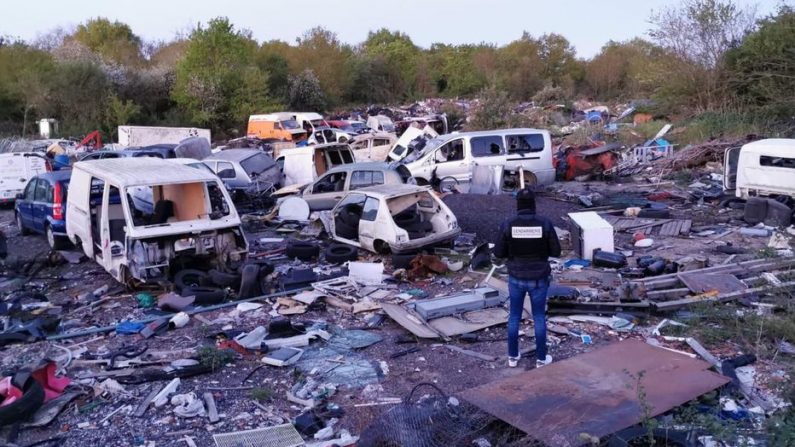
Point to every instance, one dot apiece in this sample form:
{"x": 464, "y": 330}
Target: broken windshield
{"x": 430, "y": 145}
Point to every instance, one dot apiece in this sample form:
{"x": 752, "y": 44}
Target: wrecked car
{"x": 392, "y": 219}
{"x": 762, "y": 168}
{"x": 280, "y": 126}
{"x": 327, "y": 190}
{"x": 381, "y": 123}
{"x": 413, "y": 139}
{"x": 302, "y": 165}
{"x": 436, "y": 122}
{"x": 456, "y": 156}
{"x": 372, "y": 146}
{"x": 244, "y": 169}
{"x": 192, "y": 217}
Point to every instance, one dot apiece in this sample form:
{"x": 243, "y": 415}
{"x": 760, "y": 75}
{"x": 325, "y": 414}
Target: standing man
{"x": 527, "y": 241}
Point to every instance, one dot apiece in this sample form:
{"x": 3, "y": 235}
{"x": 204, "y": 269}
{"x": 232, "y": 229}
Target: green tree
{"x": 626, "y": 70}
{"x": 272, "y": 57}
{"x": 762, "y": 68}
{"x": 306, "y": 93}
{"x": 560, "y": 65}
{"x": 78, "y": 96}
{"x": 113, "y": 41}
{"x": 24, "y": 84}
{"x": 217, "y": 81}
{"x": 397, "y": 53}
{"x": 118, "y": 113}
{"x": 520, "y": 67}
{"x": 697, "y": 34}
{"x": 321, "y": 51}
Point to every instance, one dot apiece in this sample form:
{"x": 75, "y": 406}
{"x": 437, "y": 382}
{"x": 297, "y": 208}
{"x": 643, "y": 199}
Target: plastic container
{"x": 608, "y": 259}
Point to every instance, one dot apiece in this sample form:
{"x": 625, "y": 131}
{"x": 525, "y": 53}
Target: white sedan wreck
{"x": 392, "y": 218}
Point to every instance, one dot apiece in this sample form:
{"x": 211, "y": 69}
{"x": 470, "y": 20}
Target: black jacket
{"x": 527, "y": 241}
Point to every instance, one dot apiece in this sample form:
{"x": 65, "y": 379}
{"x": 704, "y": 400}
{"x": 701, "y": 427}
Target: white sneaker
{"x": 513, "y": 362}
{"x": 547, "y": 361}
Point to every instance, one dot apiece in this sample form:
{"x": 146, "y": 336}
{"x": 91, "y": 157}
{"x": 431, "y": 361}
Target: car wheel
{"x": 56, "y": 242}
{"x": 222, "y": 279}
{"x": 22, "y": 230}
{"x": 190, "y": 278}
{"x": 204, "y": 295}
{"x": 339, "y": 253}
{"x": 302, "y": 250}
{"x": 249, "y": 282}
{"x": 343, "y": 230}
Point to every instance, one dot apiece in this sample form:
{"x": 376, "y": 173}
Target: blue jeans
{"x": 537, "y": 289}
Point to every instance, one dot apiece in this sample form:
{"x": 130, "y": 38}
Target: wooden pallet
{"x": 667, "y": 227}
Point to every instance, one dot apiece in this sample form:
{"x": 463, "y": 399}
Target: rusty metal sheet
{"x": 719, "y": 282}
{"x": 594, "y": 393}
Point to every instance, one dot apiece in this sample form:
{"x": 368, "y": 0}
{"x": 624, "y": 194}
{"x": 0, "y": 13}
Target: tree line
{"x": 701, "y": 56}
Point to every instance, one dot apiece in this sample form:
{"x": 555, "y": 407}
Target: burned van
{"x": 139, "y": 217}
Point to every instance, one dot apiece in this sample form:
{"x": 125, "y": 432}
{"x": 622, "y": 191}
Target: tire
{"x": 402, "y": 261}
{"x": 339, "y": 253}
{"x": 190, "y": 278}
{"x": 249, "y": 282}
{"x": 222, "y": 279}
{"x": 55, "y": 242}
{"x": 22, "y": 230}
{"x": 302, "y": 250}
{"x": 204, "y": 295}
{"x": 346, "y": 231}
{"x": 32, "y": 399}
{"x": 350, "y": 218}
{"x": 404, "y": 220}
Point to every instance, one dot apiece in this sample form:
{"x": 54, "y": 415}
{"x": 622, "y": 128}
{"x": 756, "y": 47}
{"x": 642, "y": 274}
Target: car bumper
{"x": 415, "y": 244}
{"x": 58, "y": 227}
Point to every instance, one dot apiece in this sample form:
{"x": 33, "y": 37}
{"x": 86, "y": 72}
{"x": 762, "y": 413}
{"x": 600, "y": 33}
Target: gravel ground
{"x": 483, "y": 215}
{"x": 452, "y": 372}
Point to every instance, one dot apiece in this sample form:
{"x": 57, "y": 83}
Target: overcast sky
{"x": 588, "y": 24}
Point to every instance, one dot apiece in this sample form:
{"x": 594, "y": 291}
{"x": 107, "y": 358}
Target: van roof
{"x": 781, "y": 147}
{"x": 124, "y": 172}
{"x": 308, "y": 115}
{"x": 487, "y": 133}
{"x": 235, "y": 154}
{"x": 279, "y": 116}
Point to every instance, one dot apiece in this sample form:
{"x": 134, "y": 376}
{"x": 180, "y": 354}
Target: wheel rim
{"x": 50, "y": 237}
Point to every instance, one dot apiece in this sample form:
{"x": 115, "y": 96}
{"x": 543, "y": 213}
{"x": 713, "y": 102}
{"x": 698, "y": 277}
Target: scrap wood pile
{"x": 699, "y": 154}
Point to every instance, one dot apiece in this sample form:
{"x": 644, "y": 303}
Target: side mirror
{"x": 20, "y": 196}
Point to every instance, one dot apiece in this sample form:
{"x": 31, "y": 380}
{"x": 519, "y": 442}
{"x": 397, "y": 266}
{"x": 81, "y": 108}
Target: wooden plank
{"x": 212, "y": 410}
{"x": 671, "y": 305}
{"x": 141, "y": 409}
{"x": 477, "y": 355}
{"x": 686, "y": 227}
{"x": 702, "y": 351}
{"x": 720, "y": 282}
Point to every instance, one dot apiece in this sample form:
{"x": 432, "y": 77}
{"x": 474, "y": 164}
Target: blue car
{"x": 41, "y": 208}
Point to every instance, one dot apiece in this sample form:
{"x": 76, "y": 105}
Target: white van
{"x": 761, "y": 168}
{"x": 188, "y": 215}
{"x": 16, "y": 168}
{"x": 381, "y": 123}
{"x": 455, "y": 156}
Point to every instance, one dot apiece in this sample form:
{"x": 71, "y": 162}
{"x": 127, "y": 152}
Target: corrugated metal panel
{"x": 278, "y": 436}
{"x": 124, "y": 172}
{"x": 595, "y": 393}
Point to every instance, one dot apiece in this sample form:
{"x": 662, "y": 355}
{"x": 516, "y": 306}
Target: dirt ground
{"x": 251, "y": 396}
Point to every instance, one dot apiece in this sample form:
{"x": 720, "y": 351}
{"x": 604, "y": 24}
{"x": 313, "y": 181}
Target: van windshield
{"x": 290, "y": 124}
{"x": 430, "y": 145}
{"x": 172, "y": 203}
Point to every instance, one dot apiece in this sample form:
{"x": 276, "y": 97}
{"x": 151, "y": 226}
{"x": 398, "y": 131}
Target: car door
{"x": 327, "y": 191}
{"x": 732, "y": 158}
{"x": 451, "y": 161}
{"x": 41, "y": 205}
{"x": 367, "y": 225}
{"x": 25, "y": 205}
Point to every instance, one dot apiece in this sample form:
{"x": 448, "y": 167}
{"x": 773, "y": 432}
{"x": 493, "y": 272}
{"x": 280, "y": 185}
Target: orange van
{"x": 280, "y": 126}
